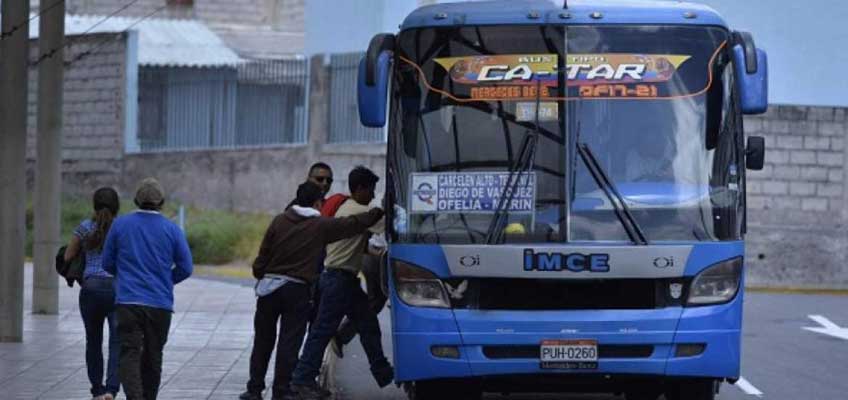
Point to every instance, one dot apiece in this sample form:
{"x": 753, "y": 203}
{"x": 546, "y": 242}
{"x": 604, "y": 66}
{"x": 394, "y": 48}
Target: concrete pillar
{"x": 14, "y": 53}
{"x": 319, "y": 104}
{"x": 48, "y": 173}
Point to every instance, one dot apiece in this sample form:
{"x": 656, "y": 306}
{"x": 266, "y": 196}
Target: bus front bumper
{"x": 671, "y": 342}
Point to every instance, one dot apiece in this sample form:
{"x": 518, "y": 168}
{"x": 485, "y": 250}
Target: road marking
{"x": 747, "y": 387}
{"x": 827, "y": 327}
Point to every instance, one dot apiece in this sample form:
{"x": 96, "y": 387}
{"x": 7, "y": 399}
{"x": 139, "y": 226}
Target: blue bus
{"x": 565, "y": 195}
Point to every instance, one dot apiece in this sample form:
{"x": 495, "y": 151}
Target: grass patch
{"x": 218, "y": 237}
{"x": 215, "y": 237}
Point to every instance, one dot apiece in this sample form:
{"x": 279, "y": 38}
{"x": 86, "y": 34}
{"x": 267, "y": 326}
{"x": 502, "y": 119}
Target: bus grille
{"x": 549, "y": 294}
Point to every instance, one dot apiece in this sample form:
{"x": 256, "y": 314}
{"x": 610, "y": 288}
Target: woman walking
{"x": 97, "y": 296}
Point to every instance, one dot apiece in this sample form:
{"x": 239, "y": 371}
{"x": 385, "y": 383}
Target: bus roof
{"x": 582, "y": 12}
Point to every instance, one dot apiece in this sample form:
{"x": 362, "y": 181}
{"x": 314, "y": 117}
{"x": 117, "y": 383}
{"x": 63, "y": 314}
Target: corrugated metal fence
{"x": 258, "y": 103}
{"x": 344, "y": 116}
{"x": 272, "y": 101}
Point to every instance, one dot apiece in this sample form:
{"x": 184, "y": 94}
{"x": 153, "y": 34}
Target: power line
{"x": 66, "y": 42}
{"x": 10, "y": 32}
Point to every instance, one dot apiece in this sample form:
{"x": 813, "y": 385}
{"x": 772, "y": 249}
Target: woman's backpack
{"x": 71, "y": 270}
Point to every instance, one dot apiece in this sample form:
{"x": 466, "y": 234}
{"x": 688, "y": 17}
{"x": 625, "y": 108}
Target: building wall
{"x": 262, "y": 180}
{"x": 93, "y": 111}
{"x": 799, "y": 203}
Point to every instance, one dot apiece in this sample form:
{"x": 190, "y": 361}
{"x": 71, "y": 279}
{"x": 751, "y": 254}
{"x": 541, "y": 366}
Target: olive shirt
{"x": 347, "y": 254}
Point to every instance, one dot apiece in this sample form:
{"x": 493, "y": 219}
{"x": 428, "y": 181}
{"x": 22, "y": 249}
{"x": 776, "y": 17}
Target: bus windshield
{"x": 495, "y": 123}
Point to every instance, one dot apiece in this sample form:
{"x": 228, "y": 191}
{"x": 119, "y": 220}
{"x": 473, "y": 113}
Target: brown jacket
{"x": 293, "y": 243}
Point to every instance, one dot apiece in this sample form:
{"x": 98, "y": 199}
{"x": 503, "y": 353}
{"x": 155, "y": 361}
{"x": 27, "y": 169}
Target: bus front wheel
{"x": 695, "y": 389}
{"x": 439, "y": 389}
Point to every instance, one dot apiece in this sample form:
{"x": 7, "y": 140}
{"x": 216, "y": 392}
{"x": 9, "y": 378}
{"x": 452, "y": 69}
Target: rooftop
{"x": 161, "y": 42}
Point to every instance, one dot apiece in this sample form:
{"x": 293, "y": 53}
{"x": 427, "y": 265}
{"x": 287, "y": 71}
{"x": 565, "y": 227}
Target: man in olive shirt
{"x": 286, "y": 267}
{"x": 341, "y": 294}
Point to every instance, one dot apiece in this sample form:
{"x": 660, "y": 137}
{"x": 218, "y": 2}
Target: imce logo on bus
{"x": 575, "y": 262}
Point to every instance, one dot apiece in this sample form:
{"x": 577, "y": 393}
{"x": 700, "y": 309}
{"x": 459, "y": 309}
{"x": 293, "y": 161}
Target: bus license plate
{"x": 569, "y": 354}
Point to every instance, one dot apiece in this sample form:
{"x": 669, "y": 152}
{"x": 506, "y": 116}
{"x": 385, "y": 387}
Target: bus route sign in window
{"x": 472, "y": 192}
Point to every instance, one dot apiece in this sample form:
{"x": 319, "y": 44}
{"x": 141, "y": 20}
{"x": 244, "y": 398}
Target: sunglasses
{"x": 323, "y": 179}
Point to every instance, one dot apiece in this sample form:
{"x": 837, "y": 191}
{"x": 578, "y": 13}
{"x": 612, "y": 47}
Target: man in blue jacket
{"x": 148, "y": 254}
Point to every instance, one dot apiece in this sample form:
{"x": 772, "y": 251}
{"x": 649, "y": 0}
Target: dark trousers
{"x": 316, "y": 293}
{"x": 341, "y": 295}
{"x": 289, "y": 307}
{"x": 97, "y": 306}
{"x": 143, "y": 332}
{"x": 376, "y": 298}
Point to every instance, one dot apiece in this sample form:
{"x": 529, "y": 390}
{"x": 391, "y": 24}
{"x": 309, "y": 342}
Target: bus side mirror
{"x": 373, "y": 81}
{"x": 751, "y": 67}
{"x": 755, "y": 153}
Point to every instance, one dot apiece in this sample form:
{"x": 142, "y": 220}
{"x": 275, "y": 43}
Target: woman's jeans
{"x": 97, "y": 305}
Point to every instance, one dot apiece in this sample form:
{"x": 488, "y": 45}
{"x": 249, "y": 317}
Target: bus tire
{"x": 440, "y": 389}
{"x": 694, "y": 389}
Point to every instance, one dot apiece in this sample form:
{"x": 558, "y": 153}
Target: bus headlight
{"x": 418, "y": 287}
{"x": 716, "y": 284}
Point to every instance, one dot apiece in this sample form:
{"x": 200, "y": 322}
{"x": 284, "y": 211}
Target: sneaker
{"x": 336, "y": 346}
{"x": 310, "y": 392}
{"x": 250, "y": 396}
{"x": 384, "y": 375}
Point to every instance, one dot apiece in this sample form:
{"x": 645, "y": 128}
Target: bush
{"x": 218, "y": 237}
{"x": 215, "y": 237}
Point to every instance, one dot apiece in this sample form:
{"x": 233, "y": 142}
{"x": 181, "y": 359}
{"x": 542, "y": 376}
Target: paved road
{"x": 780, "y": 360}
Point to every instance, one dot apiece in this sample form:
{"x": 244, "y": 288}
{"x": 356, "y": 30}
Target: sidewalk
{"x": 206, "y": 357}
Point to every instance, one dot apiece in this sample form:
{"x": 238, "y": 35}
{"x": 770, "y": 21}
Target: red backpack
{"x": 332, "y": 204}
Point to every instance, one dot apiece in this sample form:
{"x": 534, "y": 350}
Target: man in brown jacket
{"x": 286, "y": 267}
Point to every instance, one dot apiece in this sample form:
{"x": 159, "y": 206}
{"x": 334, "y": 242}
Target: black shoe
{"x": 310, "y": 392}
{"x": 250, "y": 396}
{"x": 384, "y": 375}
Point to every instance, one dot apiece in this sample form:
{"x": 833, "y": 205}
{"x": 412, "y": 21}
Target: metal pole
{"x": 14, "y": 53}
{"x": 48, "y": 174}
{"x": 182, "y": 217}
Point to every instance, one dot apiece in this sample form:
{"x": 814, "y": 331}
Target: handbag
{"x": 71, "y": 270}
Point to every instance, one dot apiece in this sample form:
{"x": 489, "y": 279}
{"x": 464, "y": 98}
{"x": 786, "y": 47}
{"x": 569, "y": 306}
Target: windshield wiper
{"x": 622, "y": 211}
{"x": 523, "y": 163}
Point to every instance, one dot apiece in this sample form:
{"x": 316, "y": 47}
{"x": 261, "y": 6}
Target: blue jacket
{"x": 148, "y": 254}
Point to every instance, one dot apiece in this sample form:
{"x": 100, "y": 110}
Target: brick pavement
{"x": 206, "y": 356}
